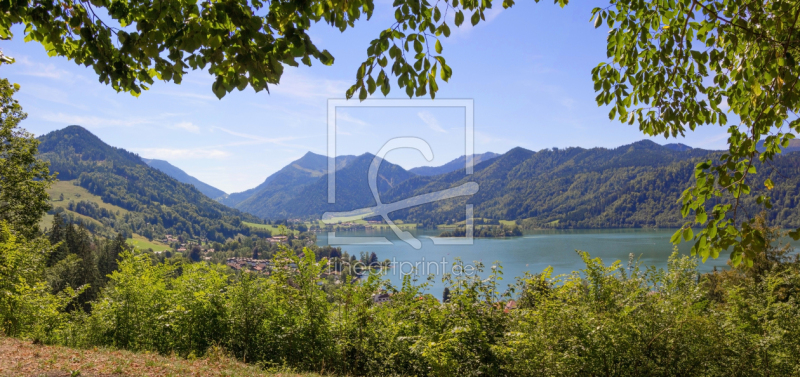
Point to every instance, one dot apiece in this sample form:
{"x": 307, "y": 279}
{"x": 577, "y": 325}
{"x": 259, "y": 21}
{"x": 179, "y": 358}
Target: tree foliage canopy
{"x": 23, "y": 177}
{"x": 131, "y": 43}
{"x": 677, "y": 65}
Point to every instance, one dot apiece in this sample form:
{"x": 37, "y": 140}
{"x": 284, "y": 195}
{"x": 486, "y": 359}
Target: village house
{"x": 258, "y": 265}
{"x": 278, "y": 239}
{"x": 380, "y": 298}
{"x": 510, "y": 305}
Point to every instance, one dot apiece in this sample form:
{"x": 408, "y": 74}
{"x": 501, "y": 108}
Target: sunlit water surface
{"x": 533, "y": 252}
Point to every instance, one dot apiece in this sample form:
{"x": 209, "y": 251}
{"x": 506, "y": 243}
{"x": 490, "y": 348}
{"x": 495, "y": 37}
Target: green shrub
{"x": 28, "y": 309}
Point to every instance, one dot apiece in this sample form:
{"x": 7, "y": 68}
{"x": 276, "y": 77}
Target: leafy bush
{"x": 27, "y": 307}
{"x": 603, "y": 320}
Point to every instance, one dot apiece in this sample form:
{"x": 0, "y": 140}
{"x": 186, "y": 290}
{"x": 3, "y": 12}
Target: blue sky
{"x": 528, "y": 70}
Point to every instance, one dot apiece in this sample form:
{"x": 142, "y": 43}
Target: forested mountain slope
{"x": 630, "y": 186}
{"x": 157, "y": 204}
{"x": 180, "y": 175}
{"x": 453, "y": 165}
{"x": 287, "y": 181}
{"x": 352, "y": 190}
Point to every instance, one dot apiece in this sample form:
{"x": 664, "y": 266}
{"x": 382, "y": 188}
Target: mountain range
{"x": 115, "y": 191}
{"x": 635, "y": 185}
{"x": 454, "y": 165}
{"x": 279, "y": 196}
{"x": 298, "y": 173}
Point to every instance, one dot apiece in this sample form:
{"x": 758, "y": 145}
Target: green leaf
{"x": 688, "y": 234}
{"x": 459, "y": 18}
{"x": 385, "y": 87}
{"x": 676, "y": 237}
{"x": 446, "y": 30}
{"x": 701, "y": 217}
{"x": 438, "y": 47}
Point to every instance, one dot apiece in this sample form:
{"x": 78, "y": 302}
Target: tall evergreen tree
{"x": 79, "y": 243}
{"x": 57, "y": 234}
{"x": 109, "y": 254}
{"x": 195, "y": 253}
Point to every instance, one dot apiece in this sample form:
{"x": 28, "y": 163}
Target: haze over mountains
{"x": 181, "y": 176}
{"x": 634, "y": 185}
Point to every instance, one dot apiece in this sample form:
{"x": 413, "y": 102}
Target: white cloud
{"x": 45, "y": 70}
{"x": 93, "y": 121}
{"x": 297, "y": 84}
{"x": 485, "y": 139}
{"x": 178, "y": 154}
{"x": 188, "y": 94}
{"x": 345, "y": 116}
{"x": 715, "y": 141}
{"x": 256, "y": 140}
{"x": 431, "y": 121}
{"x": 188, "y": 126}
{"x": 51, "y": 94}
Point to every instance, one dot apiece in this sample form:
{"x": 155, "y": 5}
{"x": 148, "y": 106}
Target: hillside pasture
{"x": 271, "y": 228}
{"x": 142, "y": 243}
{"x": 75, "y": 193}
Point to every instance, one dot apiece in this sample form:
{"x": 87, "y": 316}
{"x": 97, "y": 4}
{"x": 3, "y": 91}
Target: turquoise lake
{"x": 533, "y": 252}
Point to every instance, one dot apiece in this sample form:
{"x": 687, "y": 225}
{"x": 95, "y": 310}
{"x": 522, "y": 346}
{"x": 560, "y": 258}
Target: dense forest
{"x": 157, "y": 203}
{"x": 282, "y": 185}
{"x": 285, "y": 184}
{"x": 636, "y": 185}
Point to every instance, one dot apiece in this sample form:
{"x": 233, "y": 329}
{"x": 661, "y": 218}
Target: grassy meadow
{"x": 272, "y": 228}
{"x": 74, "y": 193}
{"x": 143, "y": 243}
